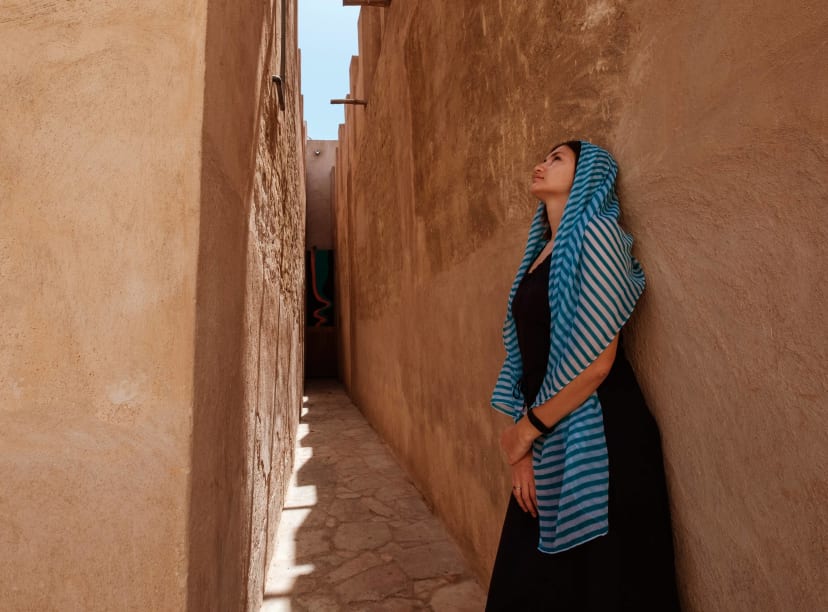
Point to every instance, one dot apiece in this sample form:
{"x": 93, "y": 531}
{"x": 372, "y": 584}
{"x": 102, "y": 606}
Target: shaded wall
{"x": 249, "y": 317}
{"x": 320, "y": 337}
{"x": 319, "y": 161}
{"x": 716, "y": 116}
{"x": 150, "y": 355}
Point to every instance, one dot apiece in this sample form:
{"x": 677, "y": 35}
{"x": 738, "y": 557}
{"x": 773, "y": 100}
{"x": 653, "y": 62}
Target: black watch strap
{"x": 537, "y": 423}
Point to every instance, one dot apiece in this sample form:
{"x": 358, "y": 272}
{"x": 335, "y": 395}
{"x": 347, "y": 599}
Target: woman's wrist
{"x": 527, "y": 429}
{"x": 537, "y": 424}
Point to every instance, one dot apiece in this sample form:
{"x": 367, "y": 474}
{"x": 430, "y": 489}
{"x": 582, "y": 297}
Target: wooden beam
{"x": 382, "y": 3}
{"x": 349, "y": 101}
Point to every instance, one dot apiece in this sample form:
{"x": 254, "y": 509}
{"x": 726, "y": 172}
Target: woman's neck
{"x": 554, "y": 211}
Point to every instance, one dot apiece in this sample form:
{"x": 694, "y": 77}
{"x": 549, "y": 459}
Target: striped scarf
{"x": 594, "y": 284}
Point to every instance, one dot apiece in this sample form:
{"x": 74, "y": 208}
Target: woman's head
{"x": 555, "y": 174}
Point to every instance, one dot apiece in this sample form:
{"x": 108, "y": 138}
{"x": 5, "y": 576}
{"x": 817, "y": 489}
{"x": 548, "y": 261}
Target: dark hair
{"x": 575, "y": 145}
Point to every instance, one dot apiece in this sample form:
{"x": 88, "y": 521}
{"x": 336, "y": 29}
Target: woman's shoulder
{"x": 606, "y": 244}
{"x": 604, "y": 233}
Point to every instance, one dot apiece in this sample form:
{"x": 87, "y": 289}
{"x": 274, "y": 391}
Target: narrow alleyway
{"x": 355, "y": 534}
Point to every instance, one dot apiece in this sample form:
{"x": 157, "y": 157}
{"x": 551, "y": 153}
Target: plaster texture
{"x": 249, "y": 326}
{"x": 319, "y": 184}
{"x": 716, "y": 114}
{"x": 150, "y": 353}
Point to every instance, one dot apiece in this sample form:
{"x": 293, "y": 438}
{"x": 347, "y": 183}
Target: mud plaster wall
{"x": 319, "y": 168}
{"x": 149, "y": 383}
{"x": 249, "y": 315}
{"x": 99, "y": 198}
{"x": 716, "y": 114}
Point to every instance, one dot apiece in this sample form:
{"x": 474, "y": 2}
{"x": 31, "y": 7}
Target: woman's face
{"x": 555, "y": 174}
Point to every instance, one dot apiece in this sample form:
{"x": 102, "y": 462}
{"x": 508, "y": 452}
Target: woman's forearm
{"x": 575, "y": 393}
{"x": 517, "y": 439}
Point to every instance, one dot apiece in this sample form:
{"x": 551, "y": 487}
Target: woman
{"x": 588, "y": 525}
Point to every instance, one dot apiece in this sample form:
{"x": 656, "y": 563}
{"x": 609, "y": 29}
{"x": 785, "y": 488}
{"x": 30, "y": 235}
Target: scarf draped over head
{"x": 594, "y": 284}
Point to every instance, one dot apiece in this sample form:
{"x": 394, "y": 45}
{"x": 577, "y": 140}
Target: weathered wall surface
{"x": 318, "y": 227}
{"x": 716, "y": 114}
{"x": 99, "y": 192}
{"x": 249, "y": 321}
{"x": 149, "y": 379}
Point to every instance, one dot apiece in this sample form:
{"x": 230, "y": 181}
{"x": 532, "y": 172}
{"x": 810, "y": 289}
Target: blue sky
{"x": 328, "y": 39}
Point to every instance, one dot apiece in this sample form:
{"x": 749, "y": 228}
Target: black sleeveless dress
{"x": 629, "y": 569}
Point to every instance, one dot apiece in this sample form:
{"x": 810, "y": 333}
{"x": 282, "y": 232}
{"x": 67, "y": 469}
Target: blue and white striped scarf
{"x": 594, "y": 284}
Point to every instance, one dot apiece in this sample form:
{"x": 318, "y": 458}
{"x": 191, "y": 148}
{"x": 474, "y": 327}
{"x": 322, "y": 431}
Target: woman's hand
{"x": 523, "y": 484}
{"x": 516, "y": 440}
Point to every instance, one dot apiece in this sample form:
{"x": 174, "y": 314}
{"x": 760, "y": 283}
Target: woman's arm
{"x": 517, "y": 439}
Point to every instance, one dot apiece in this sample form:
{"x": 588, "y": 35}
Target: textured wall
{"x": 249, "y": 317}
{"x": 716, "y": 113}
{"x": 99, "y": 189}
{"x": 319, "y": 231}
{"x": 150, "y": 352}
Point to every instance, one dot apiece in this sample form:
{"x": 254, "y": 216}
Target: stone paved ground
{"x": 355, "y": 534}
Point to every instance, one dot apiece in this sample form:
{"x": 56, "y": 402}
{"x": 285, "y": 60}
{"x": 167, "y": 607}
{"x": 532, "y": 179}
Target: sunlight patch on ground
{"x": 299, "y": 502}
